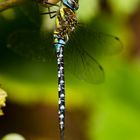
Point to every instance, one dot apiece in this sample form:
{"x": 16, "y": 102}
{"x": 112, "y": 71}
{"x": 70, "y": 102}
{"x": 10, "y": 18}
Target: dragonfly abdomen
{"x": 59, "y": 45}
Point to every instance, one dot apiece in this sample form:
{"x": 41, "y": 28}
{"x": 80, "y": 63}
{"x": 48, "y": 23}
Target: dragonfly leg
{"x": 51, "y": 16}
{"x": 49, "y": 11}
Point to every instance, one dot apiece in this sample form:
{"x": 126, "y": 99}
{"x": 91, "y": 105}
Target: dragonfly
{"x": 80, "y": 60}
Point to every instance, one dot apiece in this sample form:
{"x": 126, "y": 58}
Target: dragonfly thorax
{"x": 66, "y": 22}
{"x": 72, "y": 4}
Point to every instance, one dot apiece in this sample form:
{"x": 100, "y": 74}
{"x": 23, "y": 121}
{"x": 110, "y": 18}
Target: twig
{"x": 10, "y": 3}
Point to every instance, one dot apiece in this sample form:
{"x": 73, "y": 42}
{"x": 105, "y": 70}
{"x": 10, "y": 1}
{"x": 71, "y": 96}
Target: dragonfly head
{"x": 72, "y": 4}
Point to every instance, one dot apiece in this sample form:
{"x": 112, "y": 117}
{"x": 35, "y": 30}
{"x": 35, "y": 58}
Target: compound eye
{"x": 73, "y": 4}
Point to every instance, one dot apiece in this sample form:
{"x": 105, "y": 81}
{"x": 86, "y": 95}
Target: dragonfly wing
{"x": 32, "y": 45}
{"x": 31, "y": 10}
{"x": 84, "y": 48}
{"x": 83, "y": 66}
{"x": 96, "y": 43}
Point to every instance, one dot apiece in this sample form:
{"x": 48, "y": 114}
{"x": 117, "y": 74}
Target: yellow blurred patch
{"x": 3, "y": 96}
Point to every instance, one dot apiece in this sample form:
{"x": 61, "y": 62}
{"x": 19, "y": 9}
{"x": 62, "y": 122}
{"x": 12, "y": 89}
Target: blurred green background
{"x": 108, "y": 111}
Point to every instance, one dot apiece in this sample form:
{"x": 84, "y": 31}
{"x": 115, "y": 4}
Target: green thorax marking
{"x": 66, "y": 21}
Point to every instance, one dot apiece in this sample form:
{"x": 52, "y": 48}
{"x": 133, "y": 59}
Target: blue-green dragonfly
{"x": 80, "y": 59}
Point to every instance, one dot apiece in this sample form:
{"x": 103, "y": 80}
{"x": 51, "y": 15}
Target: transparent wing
{"x": 83, "y": 66}
{"x": 30, "y": 42}
{"x": 31, "y": 10}
{"x": 32, "y": 45}
{"x": 82, "y": 52}
{"x": 95, "y": 43}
